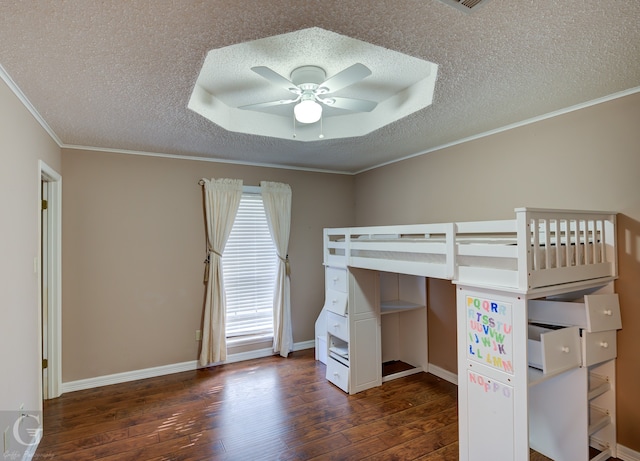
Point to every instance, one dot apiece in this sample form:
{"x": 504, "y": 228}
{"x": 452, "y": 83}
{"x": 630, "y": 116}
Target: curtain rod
{"x": 246, "y": 188}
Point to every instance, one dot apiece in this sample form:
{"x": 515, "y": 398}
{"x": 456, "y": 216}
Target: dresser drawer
{"x": 598, "y": 347}
{"x": 596, "y": 313}
{"x": 336, "y": 279}
{"x": 338, "y": 374}
{"x": 338, "y": 326}
{"x": 336, "y": 301}
{"x": 554, "y": 351}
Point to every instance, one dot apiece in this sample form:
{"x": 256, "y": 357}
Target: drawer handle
{"x": 604, "y": 344}
{"x": 335, "y": 279}
{"x": 336, "y": 375}
{"x": 334, "y": 301}
{"x": 336, "y": 326}
{"x": 608, "y": 312}
{"x": 565, "y": 349}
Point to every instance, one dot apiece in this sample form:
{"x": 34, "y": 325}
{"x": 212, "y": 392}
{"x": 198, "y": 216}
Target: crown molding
{"x": 529, "y": 121}
{"x": 25, "y": 101}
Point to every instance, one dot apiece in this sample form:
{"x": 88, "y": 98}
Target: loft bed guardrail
{"x": 539, "y": 248}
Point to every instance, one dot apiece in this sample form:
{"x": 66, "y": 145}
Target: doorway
{"x": 50, "y": 270}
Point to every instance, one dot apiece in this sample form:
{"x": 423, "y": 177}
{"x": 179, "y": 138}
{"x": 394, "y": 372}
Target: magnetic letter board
{"x": 490, "y": 333}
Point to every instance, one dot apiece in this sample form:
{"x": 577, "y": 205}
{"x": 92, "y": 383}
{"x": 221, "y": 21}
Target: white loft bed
{"x": 539, "y": 248}
{"x": 540, "y": 254}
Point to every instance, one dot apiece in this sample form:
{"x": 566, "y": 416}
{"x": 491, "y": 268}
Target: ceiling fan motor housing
{"x": 308, "y": 74}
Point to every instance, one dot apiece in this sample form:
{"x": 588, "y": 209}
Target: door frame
{"x": 52, "y": 180}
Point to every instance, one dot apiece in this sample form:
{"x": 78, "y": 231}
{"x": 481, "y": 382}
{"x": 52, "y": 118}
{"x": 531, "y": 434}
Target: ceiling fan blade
{"x": 355, "y": 105}
{"x": 264, "y": 105}
{"x": 276, "y": 78}
{"x": 346, "y": 77}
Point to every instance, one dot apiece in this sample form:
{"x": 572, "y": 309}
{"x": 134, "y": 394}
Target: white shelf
{"x": 598, "y": 385}
{"x": 598, "y": 418}
{"x": 402, "y": 374}
{"x": 603, "y": 448}
{"x": 602, "y": 456}
{"x": 339, "y": 358}
{"x": 398, "y": 305}
{"x": 342, "y": 351}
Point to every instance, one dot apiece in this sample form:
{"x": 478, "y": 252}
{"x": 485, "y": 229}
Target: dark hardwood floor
{"x": 264, "y": 409}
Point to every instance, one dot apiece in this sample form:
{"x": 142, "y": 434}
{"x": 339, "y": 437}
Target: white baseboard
{"x": 116, "y": 378}
{"x": 627, "y": 454}
{"x": 153, "y": 372}
{"x": 304, "y": 345}
{"x": 444, "y": 374}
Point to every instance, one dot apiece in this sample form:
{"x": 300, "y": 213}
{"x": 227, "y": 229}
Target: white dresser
{"x": 580, "y": 405}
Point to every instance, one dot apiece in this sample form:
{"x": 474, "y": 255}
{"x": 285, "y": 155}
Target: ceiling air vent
{"x": 465, "y": 5}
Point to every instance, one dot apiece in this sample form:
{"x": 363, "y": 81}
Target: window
{"x": 249, "y": 265}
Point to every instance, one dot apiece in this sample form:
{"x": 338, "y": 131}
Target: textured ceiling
{"x": 118, "y": 75}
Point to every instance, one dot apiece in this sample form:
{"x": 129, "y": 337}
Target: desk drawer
{"x": 554, "y": 351}
{"x": 598, "y": 347}
{"x": 338, "y": 326}
{"x": 336, "y": 279}
{"x": 596, "y": 313}
{"x": 338, "y": 374}
{"x": 335, "y": 301}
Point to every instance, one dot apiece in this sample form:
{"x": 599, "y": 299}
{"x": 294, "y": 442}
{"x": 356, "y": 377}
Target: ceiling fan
{"x": 313, "y": 90}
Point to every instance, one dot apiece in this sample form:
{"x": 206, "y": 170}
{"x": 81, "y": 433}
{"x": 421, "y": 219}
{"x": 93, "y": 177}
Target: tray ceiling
{"x": 398, "y": 84}
{"x": 119, "y": 77}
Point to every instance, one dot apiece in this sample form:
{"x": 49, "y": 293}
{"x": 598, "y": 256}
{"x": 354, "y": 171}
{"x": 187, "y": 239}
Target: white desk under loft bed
{"x": 537, "y": 321}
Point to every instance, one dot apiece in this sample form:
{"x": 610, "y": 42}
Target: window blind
{"x": 249, "y": 265}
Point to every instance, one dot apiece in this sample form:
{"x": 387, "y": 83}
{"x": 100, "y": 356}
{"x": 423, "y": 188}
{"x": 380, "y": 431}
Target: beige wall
{"x": 23, "y": 142}
{"x": 586, "y": 159}
{"x": 134, "y": 246}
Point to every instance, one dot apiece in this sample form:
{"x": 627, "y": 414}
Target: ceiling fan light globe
{"x": 307, "y": 111}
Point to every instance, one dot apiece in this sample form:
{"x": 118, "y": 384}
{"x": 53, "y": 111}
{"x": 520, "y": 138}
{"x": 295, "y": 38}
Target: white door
{"x": 50, "y": 271}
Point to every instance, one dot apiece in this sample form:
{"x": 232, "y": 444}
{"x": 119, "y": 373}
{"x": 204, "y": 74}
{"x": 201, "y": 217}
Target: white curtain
{"x": 222, "y": 199}
{"x": 277, "y": 206}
